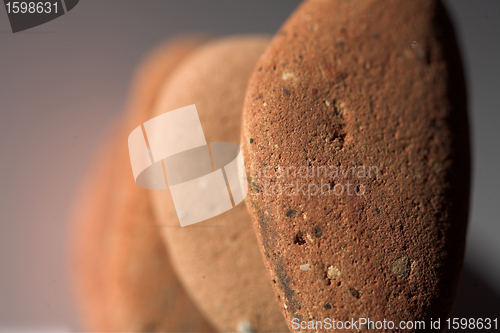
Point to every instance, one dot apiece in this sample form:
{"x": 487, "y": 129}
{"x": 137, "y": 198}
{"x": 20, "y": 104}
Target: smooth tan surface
{"x": 218, "y": 260}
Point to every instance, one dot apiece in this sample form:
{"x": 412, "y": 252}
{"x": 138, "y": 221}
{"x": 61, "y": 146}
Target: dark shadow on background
{"x": 475, "y": 299}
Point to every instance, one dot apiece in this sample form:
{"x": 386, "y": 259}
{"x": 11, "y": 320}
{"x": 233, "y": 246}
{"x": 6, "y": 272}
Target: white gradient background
{"x": 63, "y": 83}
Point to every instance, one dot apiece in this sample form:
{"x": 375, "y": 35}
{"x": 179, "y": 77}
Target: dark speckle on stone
{"x": 255, "y": 187}
{"x": 291, "y": 212}
{"x": 251, "y": 140}
{"x": 285, "y": 91}
{"x": 317, "y": 232}
{"x": 327, "y": 306}
{"x": 354, "y": 293}
{"x": 299, "y": 238}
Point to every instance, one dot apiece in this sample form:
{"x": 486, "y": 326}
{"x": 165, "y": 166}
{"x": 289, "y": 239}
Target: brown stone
{"x": 350, "y": 84}
{"x": 218, "y": 260}
{"x": 123, "y": 277}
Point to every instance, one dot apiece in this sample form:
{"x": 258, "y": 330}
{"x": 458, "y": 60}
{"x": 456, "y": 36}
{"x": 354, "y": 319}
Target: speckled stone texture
{"x": 360, "y": 84}
{"x": 218, "y": 260}
{"x": 123, "y": 277}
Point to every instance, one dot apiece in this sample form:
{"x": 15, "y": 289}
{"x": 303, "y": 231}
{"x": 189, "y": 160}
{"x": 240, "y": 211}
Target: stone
{"x": 355, "y": 123}
{"x": 218, "y": 260}
{"x": 122, "y": 274}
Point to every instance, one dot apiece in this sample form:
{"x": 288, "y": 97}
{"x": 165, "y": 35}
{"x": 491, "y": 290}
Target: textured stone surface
{"x": 360, "y": 83}
{"x": 123, "y": 277}
{"x": 218, "y": 260}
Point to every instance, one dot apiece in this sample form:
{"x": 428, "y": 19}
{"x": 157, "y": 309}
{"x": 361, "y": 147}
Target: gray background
{"x": 63, "y": 83}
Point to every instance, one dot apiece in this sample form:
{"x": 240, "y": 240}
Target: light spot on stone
{"x": 402, "y": 267}
{"x": 285, "y": 75}
{"x": 245, "y": 327}
{"x": 408, "y": 53}
{"x": 304, "y": 267}
{"x": 310, "y": 238}
{"x": 437, "y": 168}
{"x": 332, "y": 272}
